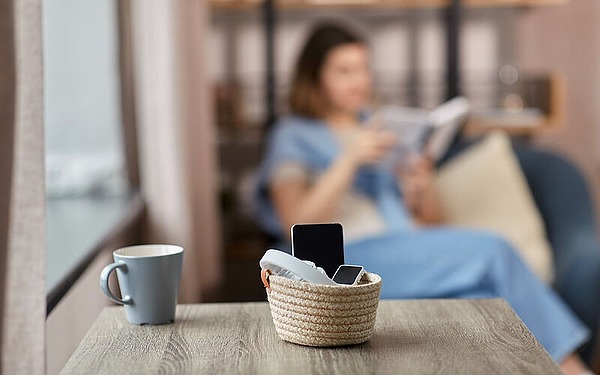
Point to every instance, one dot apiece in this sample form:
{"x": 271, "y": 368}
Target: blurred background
{"x": 155, "y": 114}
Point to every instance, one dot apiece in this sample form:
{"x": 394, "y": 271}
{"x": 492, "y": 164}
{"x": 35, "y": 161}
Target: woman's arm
{"x": 298, "y": 202}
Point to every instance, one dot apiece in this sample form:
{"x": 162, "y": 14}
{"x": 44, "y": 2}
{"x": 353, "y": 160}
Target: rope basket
{"x": 323, "y": 315}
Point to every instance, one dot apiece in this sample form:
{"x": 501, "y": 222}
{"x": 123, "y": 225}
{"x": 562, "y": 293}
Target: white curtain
{"x": 22, "y": 188}
{"x": 176, "y": 136}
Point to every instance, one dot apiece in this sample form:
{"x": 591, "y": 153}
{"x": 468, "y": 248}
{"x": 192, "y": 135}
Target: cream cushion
{"x": 485, "y": 188}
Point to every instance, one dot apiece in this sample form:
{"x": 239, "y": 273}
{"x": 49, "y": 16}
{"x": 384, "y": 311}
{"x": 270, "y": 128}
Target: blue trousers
{"x": 456, "y": 263}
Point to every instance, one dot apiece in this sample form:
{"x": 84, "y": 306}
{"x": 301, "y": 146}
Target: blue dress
{"x": 422, "y": 263}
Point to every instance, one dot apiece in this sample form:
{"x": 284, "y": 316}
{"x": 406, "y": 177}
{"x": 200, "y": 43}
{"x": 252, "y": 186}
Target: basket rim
{"x": 374, "y": 280}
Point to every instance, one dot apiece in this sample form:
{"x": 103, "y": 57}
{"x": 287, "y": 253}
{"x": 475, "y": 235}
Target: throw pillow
{"x": 485, "y": 188}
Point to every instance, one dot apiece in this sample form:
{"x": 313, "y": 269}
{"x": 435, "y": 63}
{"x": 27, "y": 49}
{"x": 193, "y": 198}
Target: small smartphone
{"x": 322, "y": 244}
{"x": 348, "y": 274}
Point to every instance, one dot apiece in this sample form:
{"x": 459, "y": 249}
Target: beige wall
{"x": 567, "y": 39}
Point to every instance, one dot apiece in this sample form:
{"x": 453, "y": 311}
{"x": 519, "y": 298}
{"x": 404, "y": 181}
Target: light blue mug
{"x": 149, "y": 277}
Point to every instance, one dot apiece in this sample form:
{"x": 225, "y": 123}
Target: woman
{"x": 324, "y": 164}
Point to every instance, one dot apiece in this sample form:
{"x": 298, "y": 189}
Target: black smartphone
{"x": 321, "y": 243}
{"x": 348, "y": 274}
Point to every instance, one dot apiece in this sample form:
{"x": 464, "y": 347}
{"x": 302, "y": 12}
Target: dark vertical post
{"x": 270, "y": 83}
{"x": 413, "y": 53}
{"x": 128, "y": 113}
{"x": 453, "y": 16}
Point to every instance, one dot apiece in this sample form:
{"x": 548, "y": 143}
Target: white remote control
{"x": 284, "y": 264}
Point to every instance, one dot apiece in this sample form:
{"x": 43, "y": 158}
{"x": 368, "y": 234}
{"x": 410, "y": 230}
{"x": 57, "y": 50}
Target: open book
{"x": 423, "y": 131}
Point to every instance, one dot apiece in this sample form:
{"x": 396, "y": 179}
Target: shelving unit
{"x": 414, "y": 4}
{"x": 553, "y": 110}
{"x": 533, "y": 113}
{"x": 240, "y": 142}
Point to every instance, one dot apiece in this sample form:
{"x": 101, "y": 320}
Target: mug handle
{"x": 104, "y": 275}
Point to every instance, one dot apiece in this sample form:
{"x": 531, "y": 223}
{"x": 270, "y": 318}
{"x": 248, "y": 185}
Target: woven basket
{"x": 323, "y": 315}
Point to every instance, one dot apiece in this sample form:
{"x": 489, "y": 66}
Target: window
{"x": 86, "y": 179}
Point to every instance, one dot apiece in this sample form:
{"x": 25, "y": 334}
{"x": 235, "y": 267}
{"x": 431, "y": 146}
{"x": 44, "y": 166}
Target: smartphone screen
{"x": 322, "y": 244}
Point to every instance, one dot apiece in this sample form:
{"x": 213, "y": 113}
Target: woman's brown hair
{"x": 306, "y": 95}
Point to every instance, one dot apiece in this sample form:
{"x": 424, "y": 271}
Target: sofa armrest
{"x": 565, "y": 203}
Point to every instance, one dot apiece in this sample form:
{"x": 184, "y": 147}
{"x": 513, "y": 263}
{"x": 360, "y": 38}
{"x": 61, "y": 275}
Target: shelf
{"x": 409, "y": 4}
{"x": 542, "y": 108}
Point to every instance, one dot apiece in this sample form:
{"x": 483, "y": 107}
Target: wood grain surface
{"x": 410, "y": 337}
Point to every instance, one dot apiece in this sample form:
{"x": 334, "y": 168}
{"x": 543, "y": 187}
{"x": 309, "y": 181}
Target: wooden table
{"x": 410, "y": 337}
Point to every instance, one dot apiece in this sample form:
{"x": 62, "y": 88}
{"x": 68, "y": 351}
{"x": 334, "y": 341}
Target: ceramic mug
{"x": 149, "y": 277}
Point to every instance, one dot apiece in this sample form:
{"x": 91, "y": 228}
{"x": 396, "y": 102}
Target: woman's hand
{"x": 419, "y": 192}
{"x": 367, "y": 145}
